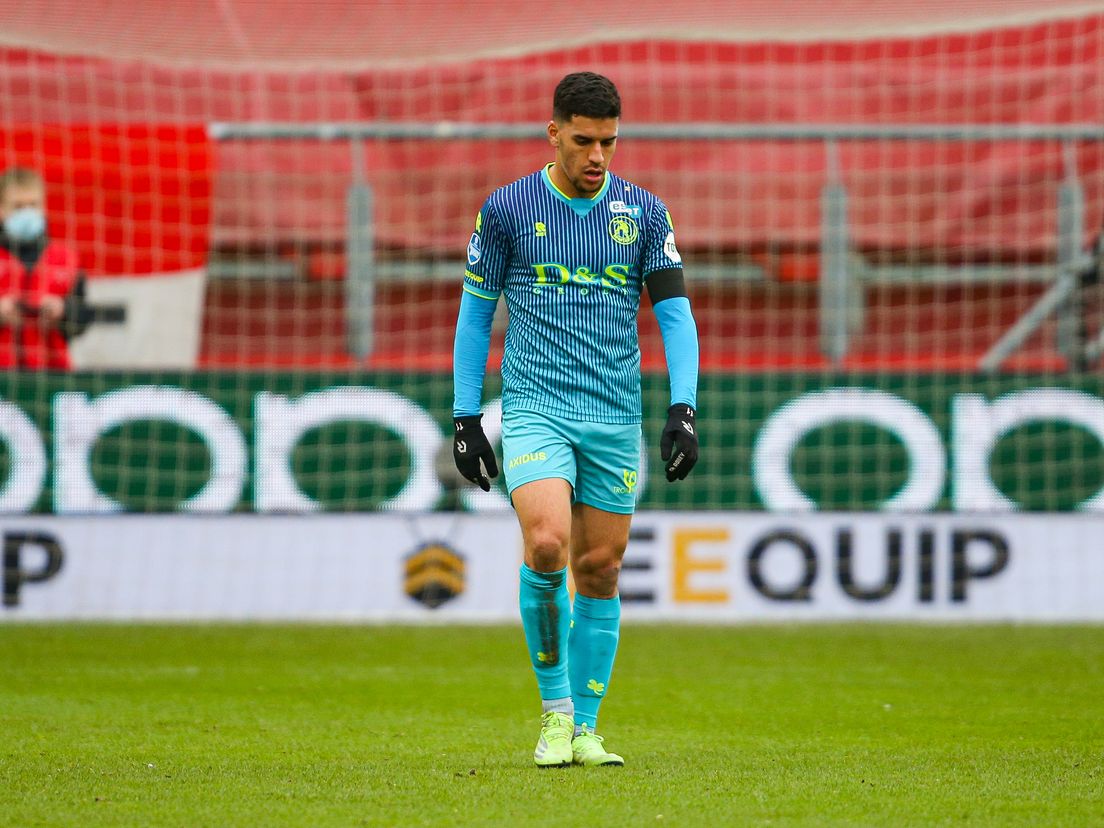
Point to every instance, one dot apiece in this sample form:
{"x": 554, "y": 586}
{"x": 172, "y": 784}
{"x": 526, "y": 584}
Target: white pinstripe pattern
{"x": 572, "y": 350}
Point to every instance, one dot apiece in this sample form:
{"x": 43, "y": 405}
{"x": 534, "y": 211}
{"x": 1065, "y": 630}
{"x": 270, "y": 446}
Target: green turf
{"x": 345, "y": 726}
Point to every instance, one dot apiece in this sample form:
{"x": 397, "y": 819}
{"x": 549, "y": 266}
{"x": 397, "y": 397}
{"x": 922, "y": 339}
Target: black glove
{"x": 469, "y": 446}
{"x": 681, "y": 435}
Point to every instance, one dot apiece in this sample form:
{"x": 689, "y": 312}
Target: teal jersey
{"x": 571, "y": 271}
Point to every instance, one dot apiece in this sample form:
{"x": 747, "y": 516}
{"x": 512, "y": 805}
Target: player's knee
{"x": 546, "y": 550}
{"x": 596, "y": 573}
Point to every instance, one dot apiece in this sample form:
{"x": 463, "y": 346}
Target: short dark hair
{"x": 585, "y": 93}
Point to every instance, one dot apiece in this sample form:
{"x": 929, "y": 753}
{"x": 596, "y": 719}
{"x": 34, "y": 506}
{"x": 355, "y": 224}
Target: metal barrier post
{"x": 1063, "y": 297}
{"x": 1071, "y": 223}
{"x": 360, "y": 286}
{"x": 833, "y": 286}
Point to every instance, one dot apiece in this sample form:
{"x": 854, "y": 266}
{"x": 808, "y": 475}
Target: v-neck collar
{"x": 581, "y": 206}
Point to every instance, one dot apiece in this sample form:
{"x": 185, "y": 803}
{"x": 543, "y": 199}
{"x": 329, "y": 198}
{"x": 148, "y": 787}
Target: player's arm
{"x": 671, "y": 304}
{"x": 470, "y": 350}
{"x": 471, "y": 450}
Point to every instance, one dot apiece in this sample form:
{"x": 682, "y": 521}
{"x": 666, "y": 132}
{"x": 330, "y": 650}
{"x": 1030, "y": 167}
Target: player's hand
{"x": 679, "y": 446}
{"x": 469, "y": 446}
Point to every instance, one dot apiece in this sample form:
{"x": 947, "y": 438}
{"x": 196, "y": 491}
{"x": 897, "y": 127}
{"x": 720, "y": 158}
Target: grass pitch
{"x": 347, "y": 726}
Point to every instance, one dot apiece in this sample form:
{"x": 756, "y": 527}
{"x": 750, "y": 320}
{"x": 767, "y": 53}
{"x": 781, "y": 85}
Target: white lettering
{"x": 979, "y": 426}
{"x": 26, "y": 460}
{"x": 282, "y": 422}
{"x": 784, "y": 429}
{"x": 80, "y": 422}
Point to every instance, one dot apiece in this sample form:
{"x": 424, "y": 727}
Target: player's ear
{"x": 553, "y": 134}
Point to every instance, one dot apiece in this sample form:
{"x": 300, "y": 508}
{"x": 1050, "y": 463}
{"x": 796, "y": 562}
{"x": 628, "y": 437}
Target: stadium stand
{"x": 132, "y": 105}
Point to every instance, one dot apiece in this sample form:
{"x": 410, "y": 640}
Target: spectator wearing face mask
{"x": 36, "y": 275}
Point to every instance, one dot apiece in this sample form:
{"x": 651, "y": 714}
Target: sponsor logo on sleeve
{"x": 474, "y": 250}
{"x": 670, "y": 250}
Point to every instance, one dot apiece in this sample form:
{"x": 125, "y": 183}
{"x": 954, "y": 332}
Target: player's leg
{"x": 598, "y": 541}
{"x": 544, "y": 512}
{"x": 605, "y": 498}
{"x": 538, "y": 464}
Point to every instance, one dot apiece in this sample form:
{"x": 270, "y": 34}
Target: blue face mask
{"x": 25, "y": 224}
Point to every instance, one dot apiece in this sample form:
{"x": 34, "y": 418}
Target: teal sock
{"x": 545, "y": 617}
{"x": 591, "y": 648}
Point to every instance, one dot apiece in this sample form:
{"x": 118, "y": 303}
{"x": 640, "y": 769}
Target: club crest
{"x": 623, "y": 230}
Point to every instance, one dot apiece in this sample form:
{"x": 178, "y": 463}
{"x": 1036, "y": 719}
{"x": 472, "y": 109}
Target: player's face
{"x": 584, "y": 147}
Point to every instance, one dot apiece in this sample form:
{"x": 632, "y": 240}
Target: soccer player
{"x": 572, "y": 247}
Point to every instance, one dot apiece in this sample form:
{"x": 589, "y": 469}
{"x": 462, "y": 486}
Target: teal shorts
{"x": 601, "y": 461}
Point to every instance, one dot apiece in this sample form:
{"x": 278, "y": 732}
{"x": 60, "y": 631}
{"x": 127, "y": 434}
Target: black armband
{"x": 665, "y": 284}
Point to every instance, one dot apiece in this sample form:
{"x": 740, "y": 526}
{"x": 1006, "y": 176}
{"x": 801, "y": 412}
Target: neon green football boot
{"x": 554, "y": 746}
{"x": 586, "y": 749}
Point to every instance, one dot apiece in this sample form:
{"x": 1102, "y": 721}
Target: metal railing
{"x": 840, "y": 280}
